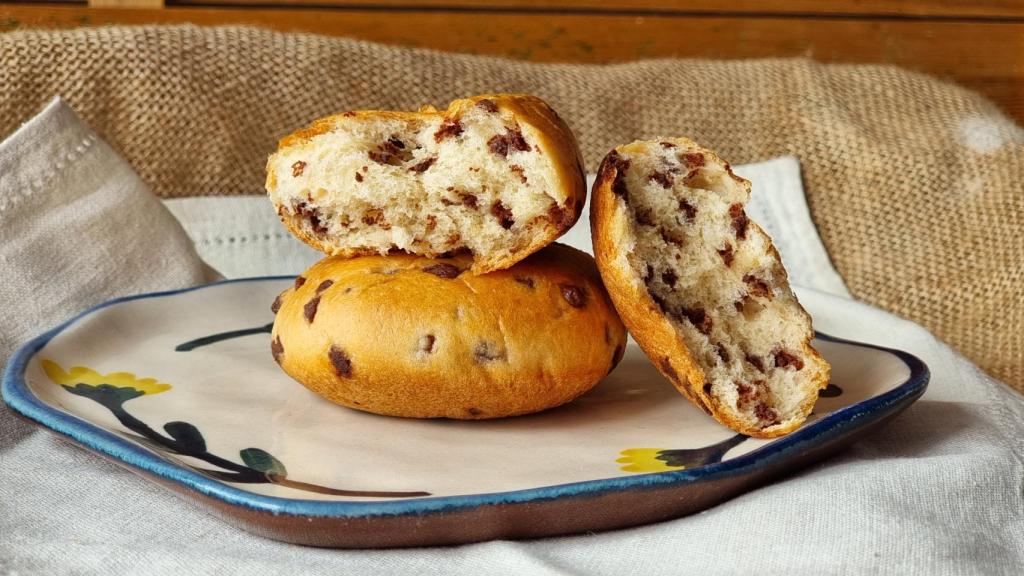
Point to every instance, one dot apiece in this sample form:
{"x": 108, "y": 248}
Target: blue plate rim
{"x": 19, "y": 398}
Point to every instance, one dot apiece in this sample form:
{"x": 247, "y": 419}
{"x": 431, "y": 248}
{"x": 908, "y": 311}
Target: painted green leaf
{"x": 187, "y": 435}
{"x": 109, "y": 396}
{"x": 260, "y": 460}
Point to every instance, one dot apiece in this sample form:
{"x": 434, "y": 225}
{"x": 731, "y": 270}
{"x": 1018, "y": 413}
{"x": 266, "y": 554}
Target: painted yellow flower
{"x": 644, "y": 460}
{"x": 82, "y": 375}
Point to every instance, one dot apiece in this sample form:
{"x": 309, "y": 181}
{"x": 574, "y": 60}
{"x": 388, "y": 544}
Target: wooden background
{"x": 979, "y": 44}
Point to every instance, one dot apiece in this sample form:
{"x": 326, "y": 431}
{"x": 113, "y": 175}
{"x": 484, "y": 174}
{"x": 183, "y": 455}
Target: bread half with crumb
{"x": 497, "y": 175}
{"x": 701, "y": 287}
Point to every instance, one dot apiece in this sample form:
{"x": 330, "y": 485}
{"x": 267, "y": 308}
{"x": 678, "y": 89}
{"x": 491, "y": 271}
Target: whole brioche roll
{"x": 498, "y": 175}
{"x": 702, "y": 288}
{"x": 404, "y": 335}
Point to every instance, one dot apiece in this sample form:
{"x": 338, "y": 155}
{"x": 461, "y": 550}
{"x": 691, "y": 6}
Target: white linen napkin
{"x": 77, "y": 227}
{"x": 937, "y": 491}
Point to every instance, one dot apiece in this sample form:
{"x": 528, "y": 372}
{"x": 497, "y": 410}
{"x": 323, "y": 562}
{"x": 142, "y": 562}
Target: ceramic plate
{"x": 180, "y": 387}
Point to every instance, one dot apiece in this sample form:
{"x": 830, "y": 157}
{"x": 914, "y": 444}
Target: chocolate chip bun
{"x": 407, "y": 336}
{"x": 701, "y": 287}
{"x": 497, "y": 175}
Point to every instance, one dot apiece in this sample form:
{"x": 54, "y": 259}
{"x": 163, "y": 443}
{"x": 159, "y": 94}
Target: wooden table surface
{"x": 976, "y": 44}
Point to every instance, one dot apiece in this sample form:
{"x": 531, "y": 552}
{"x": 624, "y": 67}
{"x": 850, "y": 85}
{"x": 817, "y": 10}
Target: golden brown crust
{"x": 644, "y": 319}
{"x": 404, "y": 335}
{"x": 555, "y": 140}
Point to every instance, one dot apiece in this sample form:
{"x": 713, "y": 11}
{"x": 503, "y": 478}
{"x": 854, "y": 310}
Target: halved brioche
{"x": 497, "y": 175}
{"x": 701, "y": 287}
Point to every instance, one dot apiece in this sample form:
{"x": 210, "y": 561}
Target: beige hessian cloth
{"x": 916, "y": 185}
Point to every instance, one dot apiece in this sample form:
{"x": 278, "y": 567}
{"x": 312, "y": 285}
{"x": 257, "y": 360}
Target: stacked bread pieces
{"x": 443, "y": 295}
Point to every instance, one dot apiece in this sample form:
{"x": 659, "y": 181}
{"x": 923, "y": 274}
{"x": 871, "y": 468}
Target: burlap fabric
{"x": 916, "y": 185}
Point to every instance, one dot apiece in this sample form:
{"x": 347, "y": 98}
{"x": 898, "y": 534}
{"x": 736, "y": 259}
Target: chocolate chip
{"x": 299, "y": 281}
{"x": 324, "y": 286}
{"x": 667, "y": 145}
{"x": 466, "y": 199}
{"x": 426, "y": 343}
{"x": 518, "y": 170}
{"x": 672, "y": 236}
{"x": 488, "y": 105}
{"x": 766, "y": 413}
{"x": 692, "y": 159}
{"x": 668, "y": 370}
{"x": 312, "y": 214}
{"x": 744, "y": 391}
{"x": 422, "y": 166}
{"x": 525, "y": 281}
{"x": 392, "y": 152}
{"x": 757, "y": 286}
{"x": 517, "y": 142}
{"x": 785, "y": 359}
{"x": 669, "y": 277}
{"x": 277, "y": 304}
{"x": 754, "y": 361}
{"x": 487, "y": 352}
{"x": 443, "y": 270}
{"x": 574, "y": 295}
{"x": 511, "y": 140}
{"x": 498, "y": 145}
{"x": 745, "y": 394}
{"x": 309, "y": 310}
{"x": 341, "y": 362}
{"x": 276, "y": 349}
{"x": 689, "y": 209}
{"x": 643, "y": 216}
{"x": 448, "y": 129}
{"x": 297, "y": 168}
{"x": 739, "y": 220}
{"x": 563, "y": 218}
{"x": 722, "y": 352}
{"x": 359, "y": 177}
{"x": 664, "y": 179}
{"x": 700, "y": 319}
{"x": 620, "y": 165}
{"x": 726, "y": 254}
{"x": 503, "y": 214}
{"x": 431, "y": 222}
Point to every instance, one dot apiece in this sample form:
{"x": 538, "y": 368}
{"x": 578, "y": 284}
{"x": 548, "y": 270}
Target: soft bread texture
{"x": 497, "y": 175}
{"x": 404, "y": 335}
{"x": 701, "y": 288}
